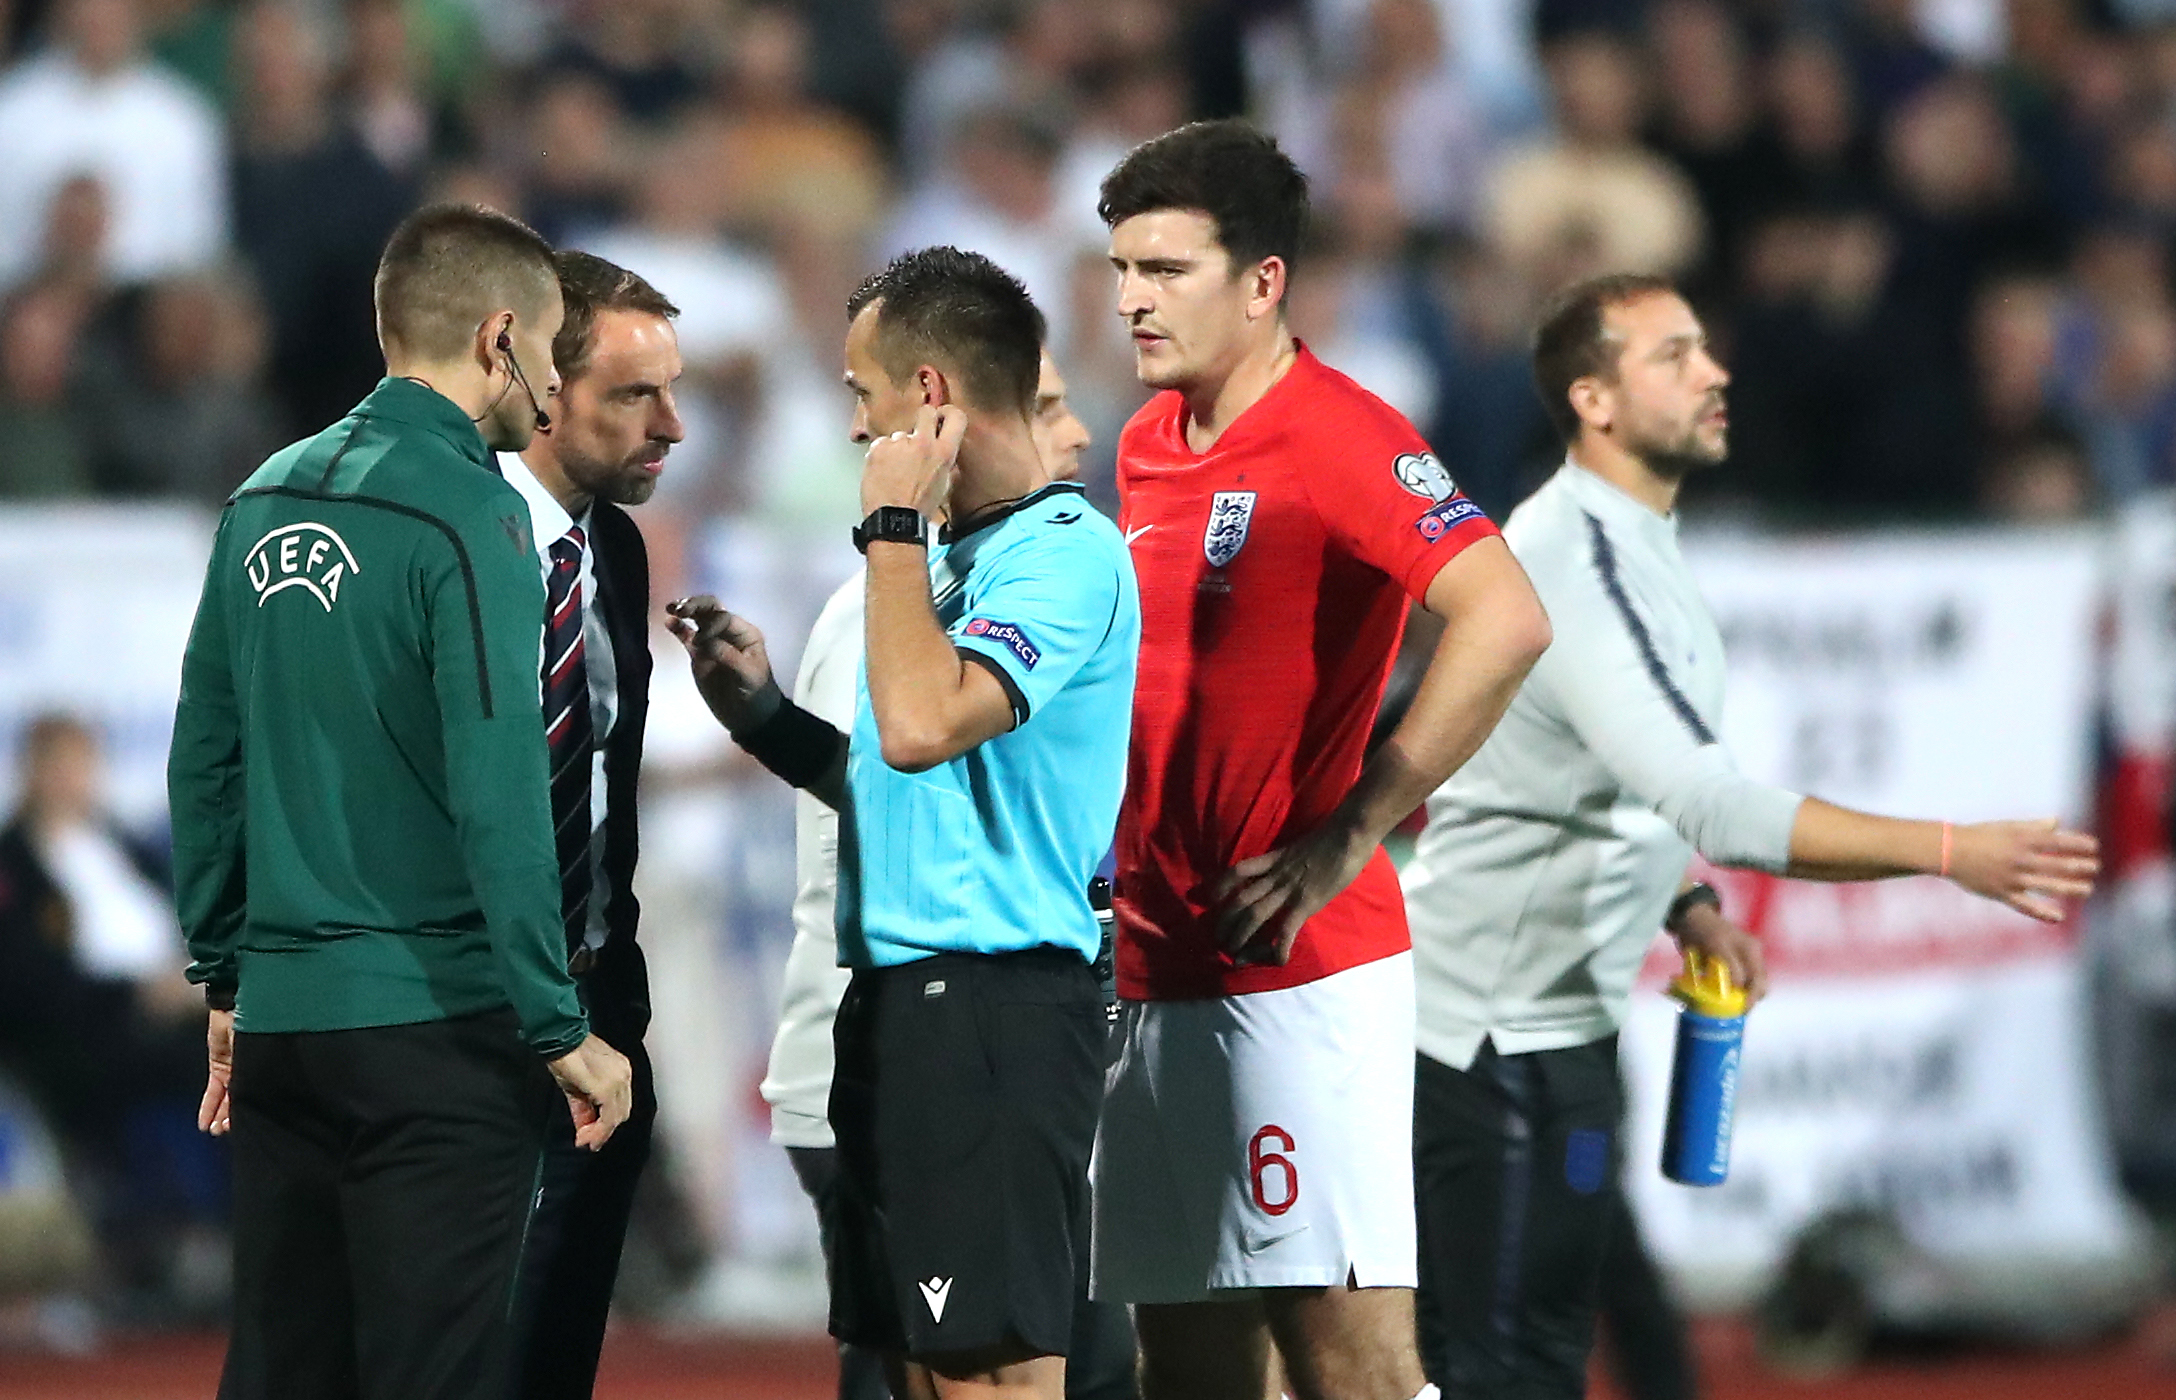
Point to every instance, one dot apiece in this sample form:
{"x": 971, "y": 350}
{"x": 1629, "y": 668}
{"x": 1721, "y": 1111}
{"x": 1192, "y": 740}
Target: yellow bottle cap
{"x": 1707, "y": 987}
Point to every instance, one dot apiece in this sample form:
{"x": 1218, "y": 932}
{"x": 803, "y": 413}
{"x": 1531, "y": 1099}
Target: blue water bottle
{"x": 1704, "y": 1076}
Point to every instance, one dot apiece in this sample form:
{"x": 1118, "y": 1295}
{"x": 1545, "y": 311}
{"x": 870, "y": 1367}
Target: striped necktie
{"x": 569, "y": 733}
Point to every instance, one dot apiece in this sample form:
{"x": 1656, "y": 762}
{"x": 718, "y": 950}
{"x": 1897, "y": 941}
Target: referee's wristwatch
{"x": 891, "y": 525}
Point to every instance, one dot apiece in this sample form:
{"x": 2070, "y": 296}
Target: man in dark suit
{"x": 600, "y": 446}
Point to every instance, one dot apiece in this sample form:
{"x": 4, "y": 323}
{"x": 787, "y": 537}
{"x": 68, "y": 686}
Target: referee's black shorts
{"x": 964, "y": 1102}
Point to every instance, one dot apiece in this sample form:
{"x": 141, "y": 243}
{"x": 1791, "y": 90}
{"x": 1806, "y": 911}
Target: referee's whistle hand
{"x": 600, "y": 1089}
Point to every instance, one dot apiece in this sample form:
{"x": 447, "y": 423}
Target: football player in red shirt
{"x": 1254, "y": 1169}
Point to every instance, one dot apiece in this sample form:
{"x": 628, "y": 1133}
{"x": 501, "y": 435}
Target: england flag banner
{"x": 1922, "y": 1054}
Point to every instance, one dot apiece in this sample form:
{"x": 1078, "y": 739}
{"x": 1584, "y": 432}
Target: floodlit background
{"x": 1931, "y": 238}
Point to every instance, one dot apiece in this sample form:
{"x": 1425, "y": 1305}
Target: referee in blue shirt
{"x": 977, "y": 792}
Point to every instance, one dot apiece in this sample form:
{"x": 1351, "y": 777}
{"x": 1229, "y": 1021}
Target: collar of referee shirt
{"x": 998, "y": 510}
{"x": 414, "y": 404}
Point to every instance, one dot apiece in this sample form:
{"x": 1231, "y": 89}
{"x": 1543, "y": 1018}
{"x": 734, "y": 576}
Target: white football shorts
{"x": 1260, "y": 1141}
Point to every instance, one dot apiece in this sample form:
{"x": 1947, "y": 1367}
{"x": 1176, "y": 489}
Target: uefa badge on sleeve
{"x": 1230, "y": 513}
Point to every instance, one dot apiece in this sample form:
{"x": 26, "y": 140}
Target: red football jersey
{"x": 1274, "y": 573}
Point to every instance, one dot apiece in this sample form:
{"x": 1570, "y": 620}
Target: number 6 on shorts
{"x": 1259, "y": 1162}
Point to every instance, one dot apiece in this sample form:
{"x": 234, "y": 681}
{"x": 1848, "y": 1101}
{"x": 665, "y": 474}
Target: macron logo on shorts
{"x": 934, "y": 1293}
{"x": 1007, "y": 635}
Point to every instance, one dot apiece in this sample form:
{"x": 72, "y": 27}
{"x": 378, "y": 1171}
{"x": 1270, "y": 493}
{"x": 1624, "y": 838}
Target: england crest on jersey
{"x": 1230, "y": 513}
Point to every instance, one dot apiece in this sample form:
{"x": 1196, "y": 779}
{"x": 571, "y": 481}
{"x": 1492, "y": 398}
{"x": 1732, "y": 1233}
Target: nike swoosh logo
{"x": 1255, "y": 1244}
{"x": 934, "y": 1293}
{"x": 1132, "y": 535}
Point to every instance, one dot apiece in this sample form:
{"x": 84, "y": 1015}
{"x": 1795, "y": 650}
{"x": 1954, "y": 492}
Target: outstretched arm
{"x": 2027, "y": 865}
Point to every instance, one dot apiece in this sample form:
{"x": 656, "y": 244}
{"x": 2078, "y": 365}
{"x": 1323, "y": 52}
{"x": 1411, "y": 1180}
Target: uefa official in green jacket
{"x": 363, "y": 851}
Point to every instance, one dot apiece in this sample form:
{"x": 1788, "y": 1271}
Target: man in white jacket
{"x": 1554, "y": 854}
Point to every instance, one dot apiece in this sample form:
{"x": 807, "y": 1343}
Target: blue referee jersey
{"x": 992, "y": 852}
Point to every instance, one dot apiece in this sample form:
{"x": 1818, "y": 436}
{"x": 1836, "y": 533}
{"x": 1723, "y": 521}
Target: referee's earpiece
{"x": 505, "y": 345}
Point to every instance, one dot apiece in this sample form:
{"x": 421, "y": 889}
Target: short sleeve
{"x": 1039, "y": 612}
{"x": 1392, "y": 504}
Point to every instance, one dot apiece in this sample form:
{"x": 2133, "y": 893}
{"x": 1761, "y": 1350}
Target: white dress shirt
{"x": 1551, "y": 857}
{"x": 797, "y": 1085}
{"x": 548, "y": 522}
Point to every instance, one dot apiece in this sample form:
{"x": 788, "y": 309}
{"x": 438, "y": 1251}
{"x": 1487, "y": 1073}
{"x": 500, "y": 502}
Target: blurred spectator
{"x": 72, "y": 255}
{"x": 2125, "y": 410}
{"x": 1027, "y": 54}
{"x": 792, "y": 163}
{"x": 733, "y": 314}
{"x": 998, "y": 196}
{"x": 2014, "y": 333}
{"x": 182, "y": 414}
{"x": 42, "y": 452}
{"x": 1407, "y": 102}
{"x": 1120, "y": 107}
{"x": 652, "y": 54}
{"x": 312, "y": 209}
{"x": 1489, "y": 428}
{"x": 1490, "y": 45}
{"x": 1592, "y": 199}
{"x": 1710, "y": 124}
{"x": 1826, "y": 158}
{"x": 386, "y": 97}
{"x": 1353, "y": 301}
{"x": 1888, "y": 52}
{"x": 105, "y": 1034}
{"x": 863, "y": 72}
{"x": 805, "y": 470}
{"x": 577, "y": 180}
{"x": 2038, "y": 479}
{"x": 193, "y": 37}
{"x": 93, "y": 103}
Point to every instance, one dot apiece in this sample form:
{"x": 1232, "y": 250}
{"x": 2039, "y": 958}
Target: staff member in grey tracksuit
{"x": 1552, "y": 856}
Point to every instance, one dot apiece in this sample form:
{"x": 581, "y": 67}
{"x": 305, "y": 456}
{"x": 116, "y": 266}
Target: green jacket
{"x": 361, "y": 803}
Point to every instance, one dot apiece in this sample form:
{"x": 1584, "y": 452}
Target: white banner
{"x": 1923, "y": 1052}
{"x": 95, "y": 607}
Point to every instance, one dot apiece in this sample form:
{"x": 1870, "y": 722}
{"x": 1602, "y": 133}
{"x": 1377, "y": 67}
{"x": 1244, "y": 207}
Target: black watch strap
{"x": 1689, "y": 900}
{"x": 891, "y": 525}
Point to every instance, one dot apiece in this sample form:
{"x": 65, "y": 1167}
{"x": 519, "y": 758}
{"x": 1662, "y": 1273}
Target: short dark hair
{"x": 588, "y": 287}
{"x": 960, "y": 312}
{"x": 447, "y": 267}
{"x": 1572, "y": 341}
{"x": 1227, "y": 169}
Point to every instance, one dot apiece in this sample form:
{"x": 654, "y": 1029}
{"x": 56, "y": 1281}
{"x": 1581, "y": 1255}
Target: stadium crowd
{"x": 1932, "y": 238}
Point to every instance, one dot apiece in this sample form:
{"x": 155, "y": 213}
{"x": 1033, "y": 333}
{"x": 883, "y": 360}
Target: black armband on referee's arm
{"x": 794, "y": 744}
{"x": 217, "y": 997}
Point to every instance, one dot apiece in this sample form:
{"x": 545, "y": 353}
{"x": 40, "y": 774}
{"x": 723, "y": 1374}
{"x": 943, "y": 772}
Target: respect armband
{"x": 794, "y": 744}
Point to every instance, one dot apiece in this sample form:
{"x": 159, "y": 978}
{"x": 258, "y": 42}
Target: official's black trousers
{"x": 574, "y": 1246}
{"x": 1515, "y": 1170}
{"x": 382, "y": 1183}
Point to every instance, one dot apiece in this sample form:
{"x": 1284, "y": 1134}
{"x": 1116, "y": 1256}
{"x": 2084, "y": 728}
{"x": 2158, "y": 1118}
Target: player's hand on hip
{"x": 213, "y": 1114}
{"x": 2030, "y": 866}
{"x": 915, "y": 468}
{"x": 727, "y": 654}
{"x": 1705, "y": 928}
{"x": 600, "y": 1089}
{"x": 1262, "y": 903}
